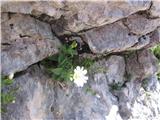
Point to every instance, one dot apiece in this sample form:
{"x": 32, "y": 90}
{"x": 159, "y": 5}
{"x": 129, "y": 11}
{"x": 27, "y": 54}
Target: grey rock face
{"x": 38, "y": 95}
{"x": 80, "y": 103}
{"x": 155, "y": 8}
{"x": 34, "y": 97}
{"x": 94, "y": 100}
{"x": 133, "y": 33}
{"x": 105, "y": 40}
{"x": 140, "y": 25}
{"x": 115, "y": 89}
{"x": 158, "y": 29}
{"x": 147, "y": 104}
{"x": 78, "y": 15}
{"x": 25, "y": 41}
{"x": 85, "y": 15}
{"x": 113, "y": 68}
{"x": 141, "y": 65}
{"x": 17, "y": 58}
{"x": 34, "y": 8}
{"x": 24, "y": 26}
{"x": 126, "y": 97}
{"x": 150, "y": 83}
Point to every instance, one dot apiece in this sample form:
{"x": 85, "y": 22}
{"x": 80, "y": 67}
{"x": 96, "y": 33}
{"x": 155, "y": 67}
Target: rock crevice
{"x": 118, "y": 33}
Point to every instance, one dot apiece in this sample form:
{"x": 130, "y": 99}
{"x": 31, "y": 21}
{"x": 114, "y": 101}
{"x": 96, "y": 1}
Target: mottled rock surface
{"x": 85, "y": 15}
{"x": 19, "y": 55}
{"x": 122, "y": 82}
{"x": 76, "y": 16}
{"x": 147, "y": 104}
{"x": 155, "y": 8}
{"x": 141, "y": 25}
{"x": 25, "y": 41}
{"x": 132, "y": 34}
{"x": 34, "y": 97}
{"x": 141, "y": 65}
{"x": 104, "y": 39}
{"x": 34, "y": 8}
{"x": 38, "y": 97}
{"x": 24, "y": 26}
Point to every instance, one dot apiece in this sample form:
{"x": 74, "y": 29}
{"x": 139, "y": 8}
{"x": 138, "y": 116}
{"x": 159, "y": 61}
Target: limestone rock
{"x": 95, "y": 95}
{"x": 34, "y": 97}
{"x": 4, "y": 17}
{"x": 113, "y": 114}
{"x": 25, "y": 41}
{"x": 154, "y": 38}
{"x": 150, "y": 83}
{"x": 35, "y": 8}
{"x": 38, "y": 94}
{"x": 141, "y": 65}
{"x": 24, "y": 26}
{"x": 158, "y": 31}
{"x": 140, "y": 25}
{"x": 38, "y": 98}
{"x": 104, "y": 39}
{"x": 147, "y": 104}
{"x": 126, "y": 97}
{"x": 108, "y": 27}
{"x": 113, "y": 68}
{"x": 19, "y": 55}
{"x": 155, "y": 8}
{"x": 85, "y": 15}
{"x": 77, "y": 16}
{"x": 133, "y": 34}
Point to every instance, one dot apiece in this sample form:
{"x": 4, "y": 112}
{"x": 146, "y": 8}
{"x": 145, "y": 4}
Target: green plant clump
{"x": 156, "y": 52}
{"x": 8, "y": 95}
{"x": 116, "y": 86}
{"x": 66, "y": 61}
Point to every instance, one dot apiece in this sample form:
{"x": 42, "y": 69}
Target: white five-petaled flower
{"x": 79, "y": 76}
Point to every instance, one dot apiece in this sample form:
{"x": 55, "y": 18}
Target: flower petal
{"x": 78, "y": 68}
{"x": 84, "y": 72}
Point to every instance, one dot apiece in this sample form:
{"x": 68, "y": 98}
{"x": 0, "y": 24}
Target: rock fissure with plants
{"x": 84, "y": 60}
{"x": 69, "y": 66}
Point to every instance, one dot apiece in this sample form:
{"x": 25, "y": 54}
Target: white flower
{"x": 79, "y": 76}
{"x": 98, "y": 96}
{"x": 11, "y": 76}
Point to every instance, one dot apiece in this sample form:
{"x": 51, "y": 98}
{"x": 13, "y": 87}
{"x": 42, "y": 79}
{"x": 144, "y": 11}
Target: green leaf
{"x": 57, "y": 71}
{"x": 156, "y": 51}
{"x": 65, "y": 60}
{"x": 7, "y": 98}
{"x": 61, "y": 58}
{"x": 53, "y": 58}
{"x": 7, "y": 82}
{"x": 87, "y": 62}
{"x": 74, "y": 44}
